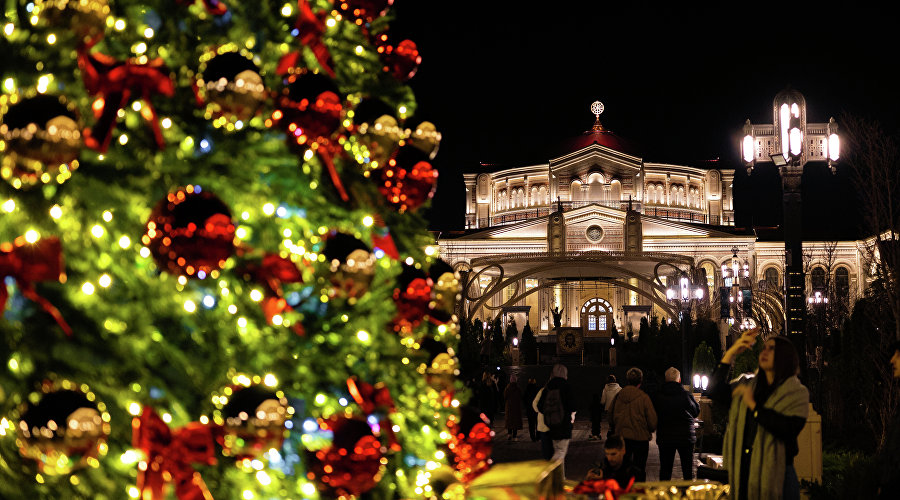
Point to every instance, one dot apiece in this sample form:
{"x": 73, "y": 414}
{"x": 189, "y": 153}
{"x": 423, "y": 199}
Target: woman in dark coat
{"x": 676, "y": 410}
{"x": 513, "y": 397}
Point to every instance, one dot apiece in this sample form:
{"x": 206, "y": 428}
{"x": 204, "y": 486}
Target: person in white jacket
{"x": 609, "y": 394}
{"x": 542, "y": 429}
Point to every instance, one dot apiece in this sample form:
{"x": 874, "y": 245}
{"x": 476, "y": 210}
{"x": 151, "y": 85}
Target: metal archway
{"x": 604, "y": 267}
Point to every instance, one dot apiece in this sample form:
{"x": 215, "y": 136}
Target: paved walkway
{"x": 583, "y": 453}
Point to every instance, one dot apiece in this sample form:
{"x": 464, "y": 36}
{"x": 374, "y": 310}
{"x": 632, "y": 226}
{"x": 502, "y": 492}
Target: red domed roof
{"x": 601, "y": 136}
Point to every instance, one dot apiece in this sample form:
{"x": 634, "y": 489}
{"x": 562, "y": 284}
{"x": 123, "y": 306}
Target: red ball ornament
{"x": 408, "y": 180}
{"x": 309, "y": 107}
{"x": 403, "y": 60}
{"x": 411, "y": 296}
{"x": 190, "y": 232}
{"x": 352, "y": 464}
{"x": 254, "y": 422}
{"x": 470, "y": 443}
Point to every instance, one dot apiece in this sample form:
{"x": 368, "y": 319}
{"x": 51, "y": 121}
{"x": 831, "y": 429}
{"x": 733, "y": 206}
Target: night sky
{"x": 507, "y": 84}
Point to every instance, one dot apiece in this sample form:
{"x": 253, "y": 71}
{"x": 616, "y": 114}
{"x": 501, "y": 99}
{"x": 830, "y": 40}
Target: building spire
{"x": 597, "y": 109}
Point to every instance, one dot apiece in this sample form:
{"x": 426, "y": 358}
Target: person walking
{"x": 633, "y": 417}
{"x": 488, "y": 396}
{"x": 609, "y": 393}
{"x": 767, "y": 411}
{"x": 512, "y": 395}
{"x": 531, "y": 391}
{"x": 558, "y": 407}
{"x": 543, "y": 431}
{"x": 676, "y": 410}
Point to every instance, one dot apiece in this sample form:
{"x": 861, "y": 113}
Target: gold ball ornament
{"x": 381, "y": 138}
{"x": 376, "y": 123}
{"x": 425, "y": 138}
{"x": 231, "y": 84}
{"x": 254, "y": 421}
{"x": 40, "y": 140}
{"x": 351, "y": 266}
{"x": 64, "y": 430}
{"x": 86, "y": 18}
{"x": 446, "y": 291}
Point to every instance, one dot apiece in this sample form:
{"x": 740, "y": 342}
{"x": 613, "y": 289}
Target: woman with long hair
{"x": 767, "y": 411}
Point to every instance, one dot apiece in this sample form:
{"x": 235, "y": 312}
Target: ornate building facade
{"x": 597, "y": 235}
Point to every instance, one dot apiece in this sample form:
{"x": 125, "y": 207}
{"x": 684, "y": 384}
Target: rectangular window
{"x": 592, "y": 322}
{"x": 602, "y": 324}
{"x": 531, "y": 283}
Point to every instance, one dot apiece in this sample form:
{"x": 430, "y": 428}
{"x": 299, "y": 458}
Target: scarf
{"x": 768, "y": 459}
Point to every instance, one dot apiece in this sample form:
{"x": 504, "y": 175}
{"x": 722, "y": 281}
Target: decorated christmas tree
{"x": 218, "y": 282}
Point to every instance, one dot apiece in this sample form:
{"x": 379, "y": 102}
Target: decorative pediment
{"x": 593, "y": 156}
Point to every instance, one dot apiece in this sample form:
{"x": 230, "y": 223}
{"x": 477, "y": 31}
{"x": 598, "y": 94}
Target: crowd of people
{"x": 766, "y": 412}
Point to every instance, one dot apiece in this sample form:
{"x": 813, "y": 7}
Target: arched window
{"x": 842, "y": 282}
{"x": 595, "y": 189}
{"x": 817, "y": 279}
{"x": 771, "y": 277}
{"x": 575, "y": 191}
{"x": 542, "y": 196}
{"x": 596, "y": 317}
{"x": 615, "y": 191}
{"x": 661, "y": 194}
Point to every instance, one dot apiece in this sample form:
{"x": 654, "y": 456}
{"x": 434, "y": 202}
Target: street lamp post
{"x": 731, "y": 277}
{"x": 683, "y": 295}
{"x": 790, "y": 143}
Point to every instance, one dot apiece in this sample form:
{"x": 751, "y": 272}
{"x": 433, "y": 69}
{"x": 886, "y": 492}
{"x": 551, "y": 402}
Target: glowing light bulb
{"x": 124, "y": 242}
{"x": 97, "y": 231}
{"x": 270, "y": 380}
{"x": 105, "y": 281}
{"x": 362, "y": 335}
{"x": 190, "y": 306}
{"x": 166, "y": 123}
{"x": 119, "y": 24}
{"x": 368, "y": 221}
{"x": 9, "y": 205}
{"x": 255, "y": 295}
{"x": 148, "y": 33}
{"x": 268, "y": 209}
{"x": 31, "y": 236}
{"x": 56, "y": 211}
{"x": 123, "y": 139}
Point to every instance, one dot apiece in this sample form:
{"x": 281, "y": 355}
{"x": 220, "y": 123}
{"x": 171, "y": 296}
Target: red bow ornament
{"x": 310, "y": 27}
{"x": 117, "y": 82}
{"x": 271, "y": 272}
{"x": 170, "y": 455}
{"x": 29, "y": 263}
{"x": 372, "y": 399}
